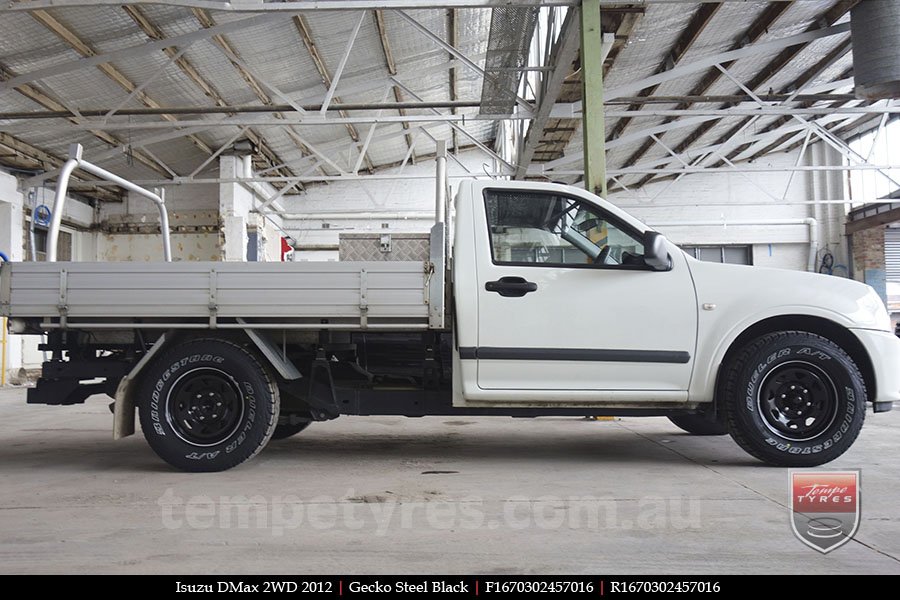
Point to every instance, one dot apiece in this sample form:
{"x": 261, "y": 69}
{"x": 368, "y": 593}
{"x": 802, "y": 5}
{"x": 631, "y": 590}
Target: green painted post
{"x": 592, "y": 98}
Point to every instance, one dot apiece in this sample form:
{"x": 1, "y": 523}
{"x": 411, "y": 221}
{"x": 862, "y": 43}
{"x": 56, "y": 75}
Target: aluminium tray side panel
{"x": 272, "y": 291}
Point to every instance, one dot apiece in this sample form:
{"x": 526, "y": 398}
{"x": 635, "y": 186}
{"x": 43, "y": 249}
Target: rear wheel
{"x": 699, "y": 425}
{"x": 207, "y": 405}
{"x": 794, "y": 399}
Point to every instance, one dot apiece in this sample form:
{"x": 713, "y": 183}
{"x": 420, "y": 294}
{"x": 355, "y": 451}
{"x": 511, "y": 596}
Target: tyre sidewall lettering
{"x": 758, "y": 371}
{"x": 250, "y": 403}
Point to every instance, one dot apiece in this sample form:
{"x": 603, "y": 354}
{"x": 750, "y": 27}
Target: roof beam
{"x": 876, "y": 220}
{"x": 839, "y": 51}
{"x": 47, "y": 161}
{"x": 336, "y": 77}
{"x": 756, "y": 30}
{"x": 237, "y": 6}
{"x": 640, "y": 134}
{"x": 423, "y": 176}
{"x": 773, "y": 67}
{"x": 260, "y": 121}
{"x": 690, "y": 117}
{"x": 133, "y": 145}
{"x": 155, "y": 33}
{"x": 44, "y": 99}
{"x": 724, "y": 59}
{"x": 453, "y": 34}
{"x": 564, "y": 53}
{"x": 465, "y": 60}
{"x": 450, "y": 121}
{"x": 392, "y": 69}
{"x": 706, "y": 153}
{"x": 207, "y": 22}
{"x": 336, "y": 145}
{"x": 694, "y": 29}
{"x": 308, "y": 41}
{"x": 623, "y": 24}
{"x": 30, "y": 115}
{"x": 85, "y": 50}
{"x": 249, "y": 6}
{"x": 139, "y": 50}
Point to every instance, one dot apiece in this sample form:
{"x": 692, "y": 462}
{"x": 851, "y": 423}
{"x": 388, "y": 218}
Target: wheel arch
{"x": 826, "y": 328}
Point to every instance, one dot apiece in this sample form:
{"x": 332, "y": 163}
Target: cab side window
{"x": 538, "y": 228}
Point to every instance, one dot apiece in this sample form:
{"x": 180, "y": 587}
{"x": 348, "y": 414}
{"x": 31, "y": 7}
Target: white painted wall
{"x": 721, "y": 208}
{"x": 148, "y": 247}
{"x": 700, "y": 209}
{"x": 76, "y": 212}
{"x": 191, "y": 206}
{"x": 78, "y": 216}
{"x": 271, "y": 240}
{"x": 406, "y": 205}
{"x": 238, "y": 203}
{"x": 235, "y": 204}
{"x": 12, "y": 217}
{"x": 22, "y": 351}
{"x": 216, "y": 218}
{"x": 179, "y": 199}
{"x": 12, "y": 244}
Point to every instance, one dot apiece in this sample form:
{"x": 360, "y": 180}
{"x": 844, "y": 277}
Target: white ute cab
{"x": 551, "y": 301}
{"x": 603, "y": 309}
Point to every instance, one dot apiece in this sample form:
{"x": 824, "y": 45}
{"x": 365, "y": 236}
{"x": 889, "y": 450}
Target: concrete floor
{"x": 434, "y": 495}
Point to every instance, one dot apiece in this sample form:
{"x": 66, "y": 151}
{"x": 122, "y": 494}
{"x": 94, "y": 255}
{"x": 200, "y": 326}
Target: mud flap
{"x": 123, "y": 407}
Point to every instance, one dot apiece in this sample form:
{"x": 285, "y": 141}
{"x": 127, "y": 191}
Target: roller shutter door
{"x": 892, "y": 253}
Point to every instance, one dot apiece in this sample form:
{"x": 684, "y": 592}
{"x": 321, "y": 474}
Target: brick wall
{"x": 868, "y": 251}
{"x": 868, "y": 259}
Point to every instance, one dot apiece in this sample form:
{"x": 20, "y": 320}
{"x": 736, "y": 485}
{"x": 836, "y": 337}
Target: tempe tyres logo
{"x": 825, "y": 507}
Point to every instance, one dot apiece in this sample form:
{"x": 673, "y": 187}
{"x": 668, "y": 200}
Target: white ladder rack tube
{"x": 62, "y": 186}
{"x": 440, "y": 195}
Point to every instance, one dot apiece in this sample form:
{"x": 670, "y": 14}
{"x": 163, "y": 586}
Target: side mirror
{"x": 655, "y": 254}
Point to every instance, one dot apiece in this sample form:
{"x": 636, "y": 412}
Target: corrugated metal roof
{"x": 278, "y": 59}
{"x": 276, "y": 56}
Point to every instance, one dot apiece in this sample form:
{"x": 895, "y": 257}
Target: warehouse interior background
{"x": 753, "y": 132}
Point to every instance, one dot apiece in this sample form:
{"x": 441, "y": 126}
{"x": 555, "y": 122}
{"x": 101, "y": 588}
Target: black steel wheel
{"x": 793, "y": 399}
{"x": 207, "y": 405}
{"x": 797, "y": 400}
{"x": 204, "y": 406}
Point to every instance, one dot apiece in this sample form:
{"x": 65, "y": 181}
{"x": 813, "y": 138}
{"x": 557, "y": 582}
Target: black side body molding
{"x": 576, "y": 354}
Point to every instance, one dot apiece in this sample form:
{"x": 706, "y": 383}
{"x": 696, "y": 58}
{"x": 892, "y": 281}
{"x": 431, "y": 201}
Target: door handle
{"x": 511, "y": 287}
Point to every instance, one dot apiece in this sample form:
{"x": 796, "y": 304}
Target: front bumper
{"x": 884, "y": 352}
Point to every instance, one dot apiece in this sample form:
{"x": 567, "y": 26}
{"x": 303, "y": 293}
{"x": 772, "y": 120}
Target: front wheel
{"x": 794, "y": 399}
{"x": 207, "y": 405}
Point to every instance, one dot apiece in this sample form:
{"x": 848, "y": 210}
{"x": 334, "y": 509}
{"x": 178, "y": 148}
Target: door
{"x": 565, "y": 301}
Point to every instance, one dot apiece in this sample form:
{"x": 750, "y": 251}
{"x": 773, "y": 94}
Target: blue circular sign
{"x": 42, "y": 215}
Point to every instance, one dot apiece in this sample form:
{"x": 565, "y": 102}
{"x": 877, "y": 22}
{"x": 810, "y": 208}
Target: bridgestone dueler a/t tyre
{"x": 207, "y": 405}
{"x": 794, "y": 399}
